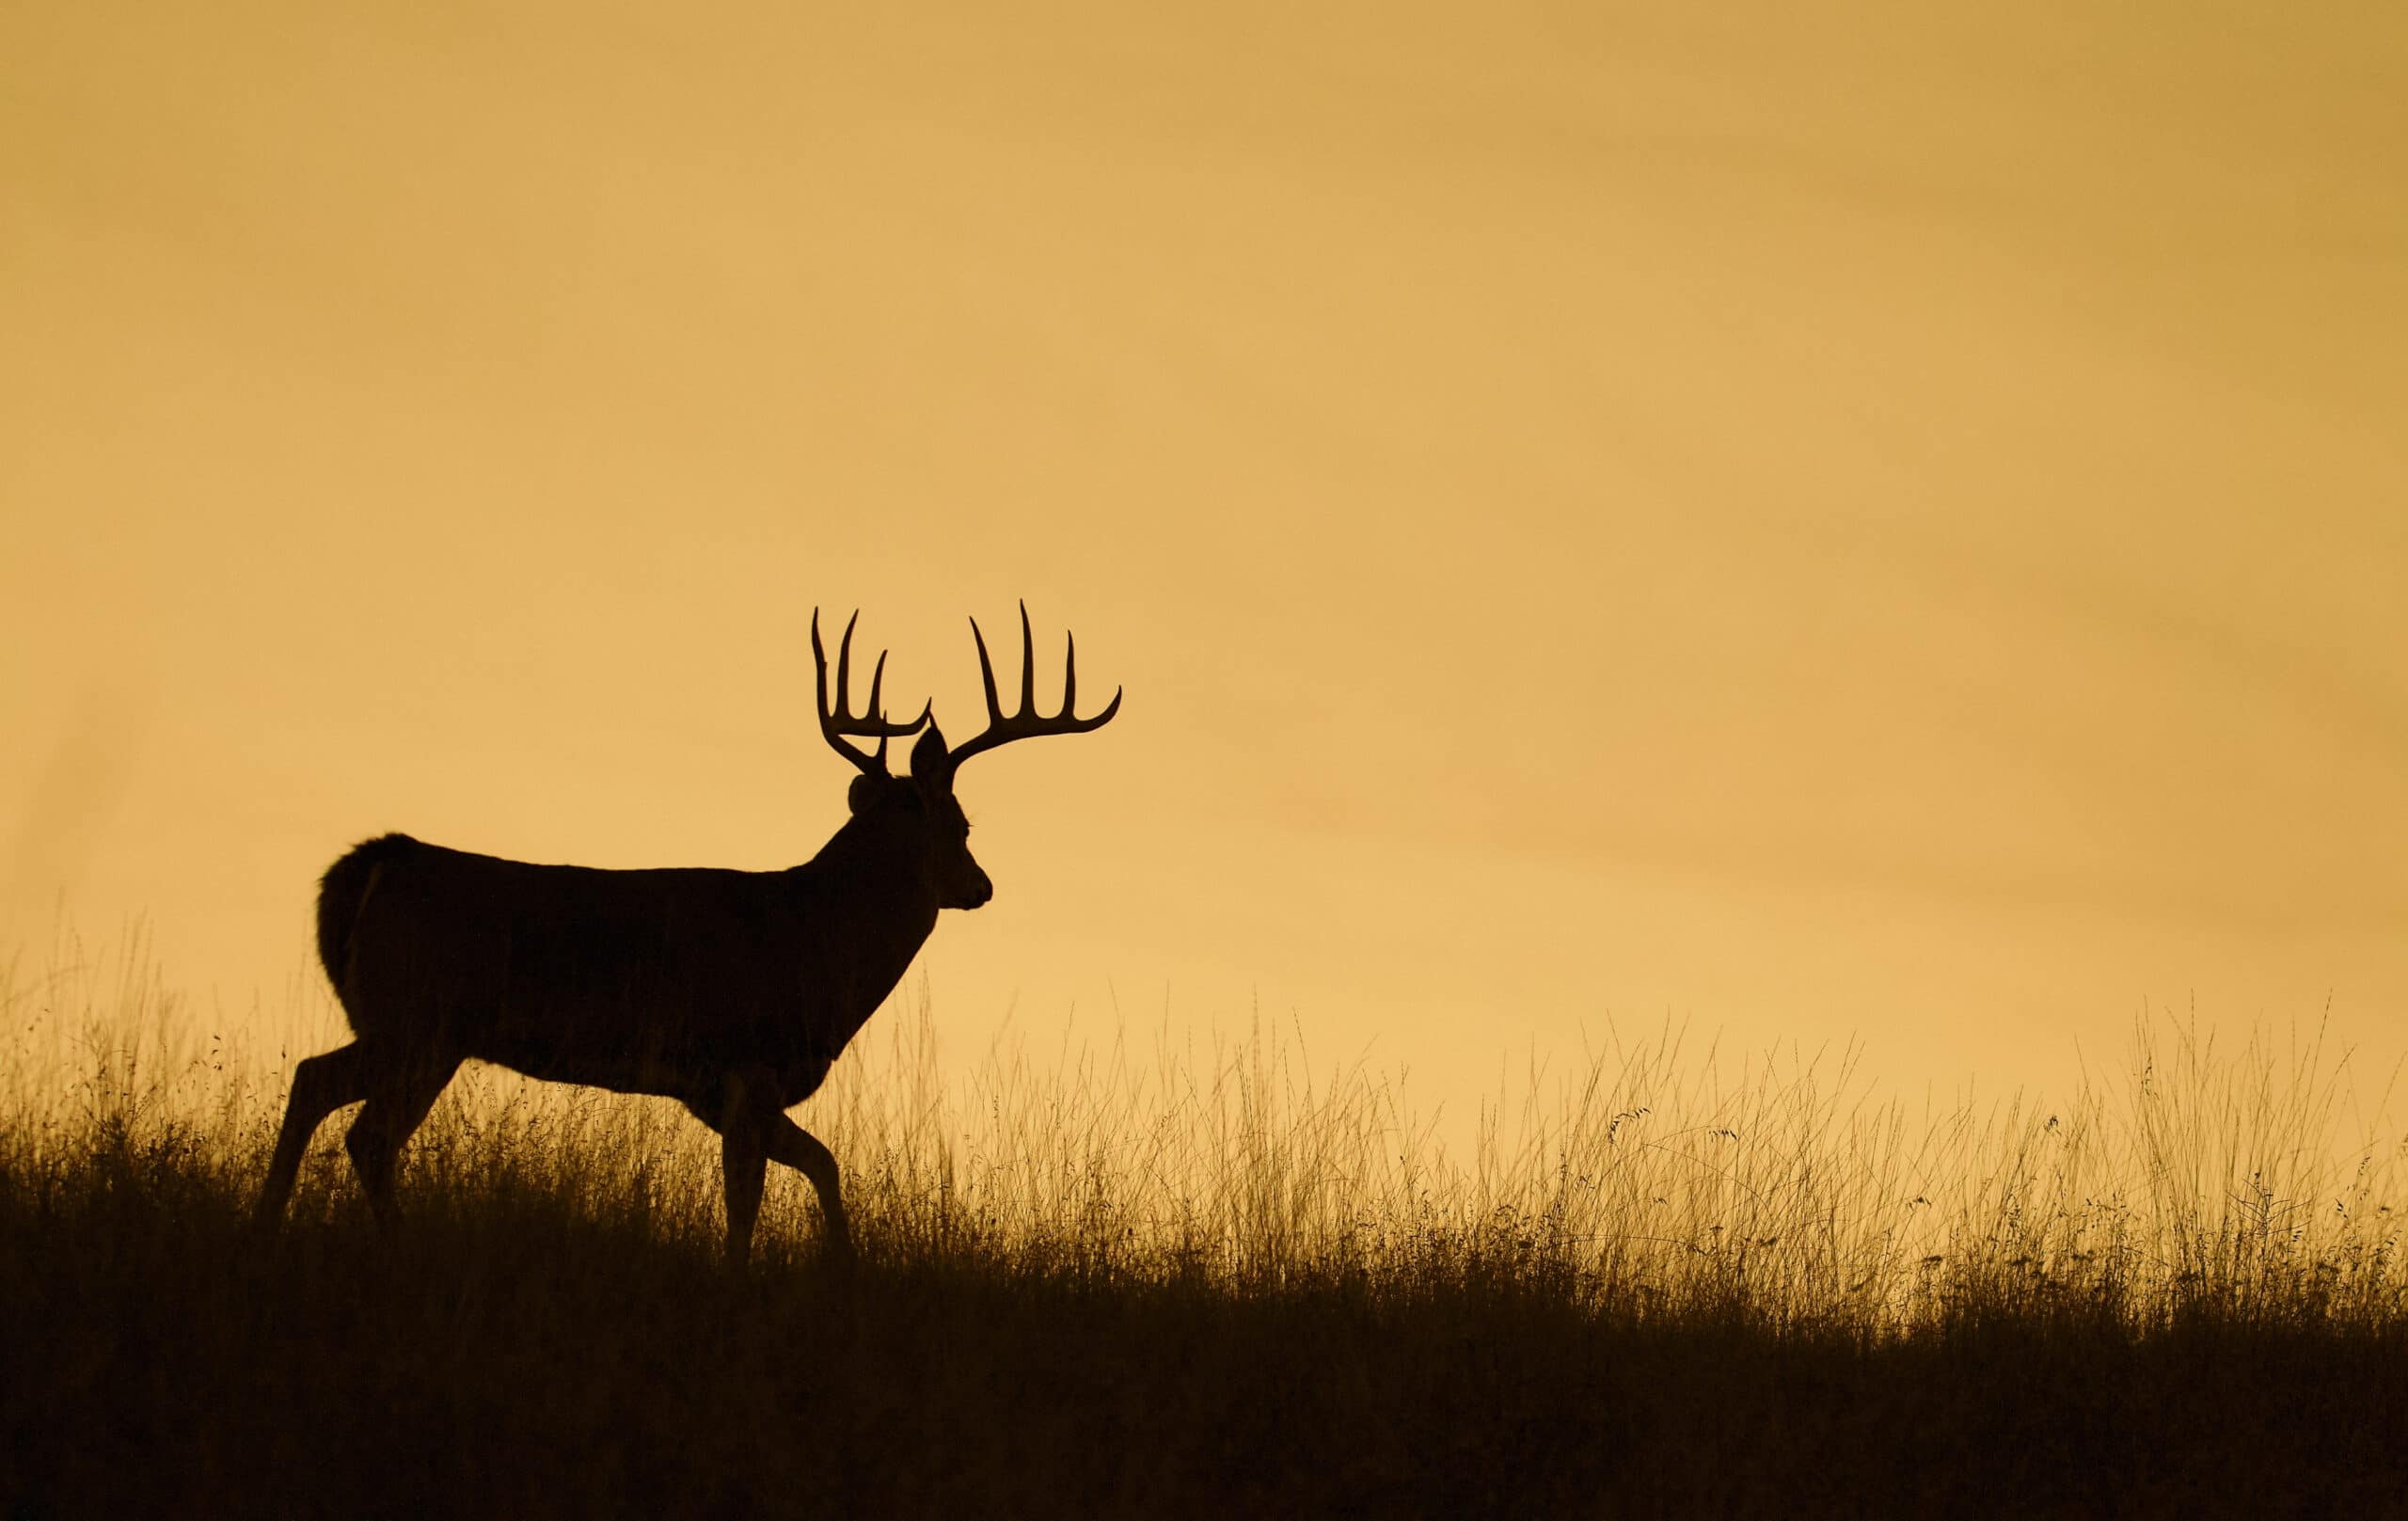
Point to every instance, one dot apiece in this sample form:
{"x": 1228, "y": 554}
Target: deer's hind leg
{"x": 321, "y": 1086}
{"x": 399, "y": 1096}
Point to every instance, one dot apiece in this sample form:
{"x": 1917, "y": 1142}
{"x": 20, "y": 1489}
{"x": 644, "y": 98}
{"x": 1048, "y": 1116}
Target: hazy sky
{"x": 1877, "y": 520}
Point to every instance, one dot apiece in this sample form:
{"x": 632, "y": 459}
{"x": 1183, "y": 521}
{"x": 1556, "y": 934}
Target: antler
{"x": 1027, "y": 724}
{"x": 841, "y": 720}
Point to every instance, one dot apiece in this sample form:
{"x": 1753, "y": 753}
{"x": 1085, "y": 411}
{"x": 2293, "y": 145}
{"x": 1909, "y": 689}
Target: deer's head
{"x": 918, "y": 815}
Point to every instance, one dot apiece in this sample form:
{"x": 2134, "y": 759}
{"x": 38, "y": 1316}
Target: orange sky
{"x": 1862, "y": 523}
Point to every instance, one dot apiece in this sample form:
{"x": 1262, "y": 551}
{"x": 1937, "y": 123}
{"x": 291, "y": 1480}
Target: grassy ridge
{"x": 1204, "y": 1285}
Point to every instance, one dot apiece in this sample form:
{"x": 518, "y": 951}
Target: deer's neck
{"x": 872, "y": 893}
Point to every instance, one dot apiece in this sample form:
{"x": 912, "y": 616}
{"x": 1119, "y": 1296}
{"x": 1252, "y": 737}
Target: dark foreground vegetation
{"x": 509, "y": 1360}
{"x": 1050, "y": 1319}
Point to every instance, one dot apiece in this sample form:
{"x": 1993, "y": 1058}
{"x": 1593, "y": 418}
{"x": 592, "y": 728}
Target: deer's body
{"x": 731, "y": 991}
{"x": 638, "y": 981}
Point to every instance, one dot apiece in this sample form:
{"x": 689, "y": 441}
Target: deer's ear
{"x": 928, "y": 758}
{"x": 863, "y": 793}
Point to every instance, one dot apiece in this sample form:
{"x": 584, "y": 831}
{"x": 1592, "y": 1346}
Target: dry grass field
{"x": 1206, "y": 1283}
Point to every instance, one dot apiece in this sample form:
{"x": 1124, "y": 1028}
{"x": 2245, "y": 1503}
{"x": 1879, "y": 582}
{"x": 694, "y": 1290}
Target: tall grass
{"x": 1212, "y": 1279}
{"x": 1645, "y": 1183}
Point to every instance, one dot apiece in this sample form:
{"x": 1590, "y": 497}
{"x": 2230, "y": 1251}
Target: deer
{"x": 732, "y": 992}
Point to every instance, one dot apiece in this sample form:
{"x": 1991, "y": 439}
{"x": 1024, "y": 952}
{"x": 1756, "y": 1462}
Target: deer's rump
{"x": 618, "y": 978}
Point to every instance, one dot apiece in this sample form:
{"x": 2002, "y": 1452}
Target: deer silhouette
{"x": 730, "y": 991}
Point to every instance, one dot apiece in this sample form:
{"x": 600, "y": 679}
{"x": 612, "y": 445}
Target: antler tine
{"x": 845, "y": 666}
{"x": 987, "y": 676}
{"x": 1027, "y": 665}
{"x": 840, "y": 720}
{"x": 1100, "y": 719}
{"x": 1027, "y": 724}
{"x": 819, "y": 660}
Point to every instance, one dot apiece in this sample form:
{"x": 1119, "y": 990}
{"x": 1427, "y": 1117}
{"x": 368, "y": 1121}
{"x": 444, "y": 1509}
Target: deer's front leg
{"x": 743, "y": 1152}
{"x": 799, "y": 1149}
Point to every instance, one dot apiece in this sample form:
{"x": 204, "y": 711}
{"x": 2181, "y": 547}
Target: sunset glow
{"x": 1879, "y": 525}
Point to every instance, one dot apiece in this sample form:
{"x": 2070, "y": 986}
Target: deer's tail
{"x": 342, "y": 893}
